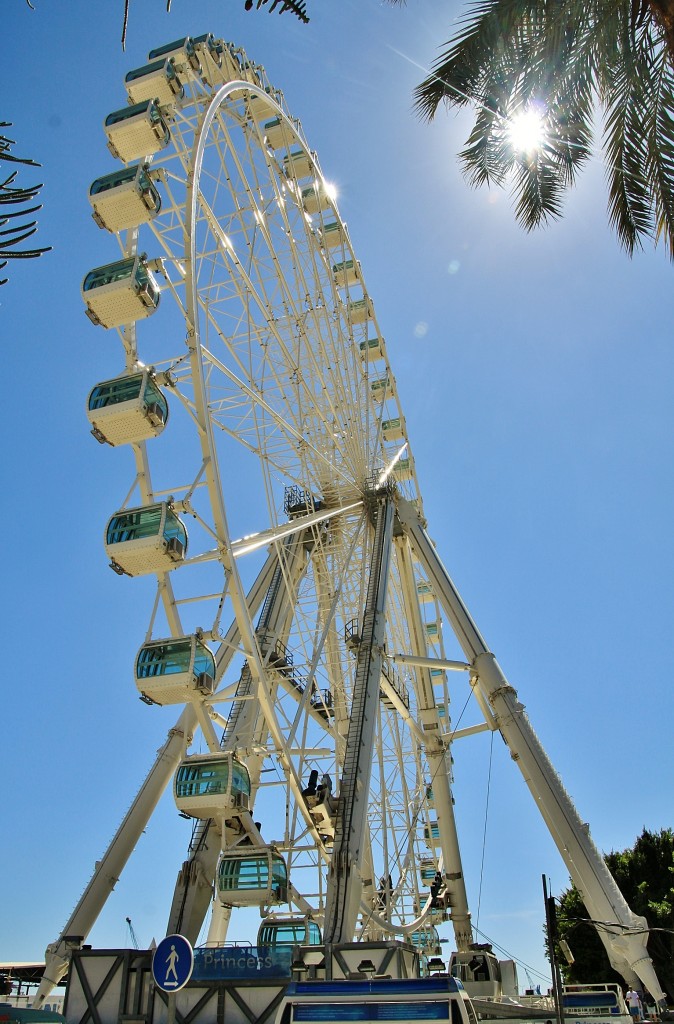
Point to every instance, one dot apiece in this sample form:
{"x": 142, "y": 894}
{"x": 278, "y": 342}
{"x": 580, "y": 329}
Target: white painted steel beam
{"x": 604, "y": 901}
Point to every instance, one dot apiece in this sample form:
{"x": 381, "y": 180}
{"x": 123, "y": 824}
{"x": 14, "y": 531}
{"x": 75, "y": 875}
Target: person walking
{"x": 634, "y": 1004}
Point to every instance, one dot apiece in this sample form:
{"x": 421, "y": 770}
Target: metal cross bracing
{"x": 328, "y": 681}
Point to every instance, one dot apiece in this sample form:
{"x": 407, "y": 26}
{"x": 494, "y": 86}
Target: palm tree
{"x": 563, "y": 62}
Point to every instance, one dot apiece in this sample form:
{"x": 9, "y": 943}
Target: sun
{"x": 526, "y": 130}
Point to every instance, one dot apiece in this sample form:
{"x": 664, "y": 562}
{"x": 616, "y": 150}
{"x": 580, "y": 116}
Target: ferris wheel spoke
{"x": 278, "y": 384}
{"x": 264, "y": 304}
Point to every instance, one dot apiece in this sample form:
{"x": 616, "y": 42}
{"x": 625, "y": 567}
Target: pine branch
{"x": 11, "y": 194}
{"x": 297, "y": 7}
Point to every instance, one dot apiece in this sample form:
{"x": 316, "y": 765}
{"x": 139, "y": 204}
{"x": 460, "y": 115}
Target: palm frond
{"x": 569, "y": 124}
{"x": 489, "y": 33}
{"x": 627, "y": 100}
{"x": 659, "y": 132}
{"x": 572, "y": 58}
{"x": 537, "y": 190}
{"x": 539, "y": 58}
{"x": 483, "y": 159}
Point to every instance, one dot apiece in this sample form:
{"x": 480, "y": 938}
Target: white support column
{"x": 109, "y": 868}
{"x": 438, "y": 756}
{"x": 603, "y": 899}
{"x": 217, "y": 929}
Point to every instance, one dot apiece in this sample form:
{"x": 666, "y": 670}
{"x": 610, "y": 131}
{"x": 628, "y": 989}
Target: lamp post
{"x": 551, "y": 927}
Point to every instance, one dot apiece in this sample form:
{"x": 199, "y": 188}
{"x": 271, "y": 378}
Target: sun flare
{"x": 526, "y": 130}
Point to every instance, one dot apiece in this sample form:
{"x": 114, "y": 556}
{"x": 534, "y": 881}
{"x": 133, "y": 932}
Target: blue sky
{"x": 536, "y": 375}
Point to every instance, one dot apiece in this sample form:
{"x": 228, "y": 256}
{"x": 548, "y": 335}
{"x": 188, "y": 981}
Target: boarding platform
{"x": 246, "y": 984}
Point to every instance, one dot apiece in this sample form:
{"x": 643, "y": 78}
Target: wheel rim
{"x": 285, "y": 376}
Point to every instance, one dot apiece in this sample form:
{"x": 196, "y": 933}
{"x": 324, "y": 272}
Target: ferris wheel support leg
{"x": 193, "y": 893}
{"x": 452, "y": 868}
{"x": 345, "y": 882}
{"x": 111, "y": 865}
{"x": 219, "y": 923}
{"x": 439, "y": 764}
{"x": 605, "y": 903}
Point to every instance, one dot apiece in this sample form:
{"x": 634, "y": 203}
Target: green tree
{"x": 645, "y": 876}
{"x": 567, "y": 62}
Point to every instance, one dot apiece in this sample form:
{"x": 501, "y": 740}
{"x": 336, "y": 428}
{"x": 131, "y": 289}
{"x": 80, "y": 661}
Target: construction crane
{"x": 132, "y": 934}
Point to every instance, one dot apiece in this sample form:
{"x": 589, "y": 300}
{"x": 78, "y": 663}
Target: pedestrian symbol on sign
{"x": 172, "y": 963}
{"x": 172, "y": 960}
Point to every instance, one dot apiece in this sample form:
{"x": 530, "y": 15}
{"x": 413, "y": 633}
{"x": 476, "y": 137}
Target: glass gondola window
{"x": 195, "y": 780}
{"x": 126, "y": 113}
{"x": 153, "y": 395}
{"x": 108, "y": 181}
{"x": 128, "y": 389}
{"x": 108, "y": 274}
{"x": 203, "y": 660}
{"x": 185, "y": 43}
{"x": 255, "y": 871}
{"x": 134, "y": 525}
{"x": 112, "y": 392}
{"x": 290, "y": 932}
{"x": 144, "y": 178}
{"x": 240, "y": 778}
{"x": 426, "y": 937}
{"x": 143, "y": 523}
{"x": 216, "y": 775}
{"x": 174, "y": 528}
{"x": 147, "y": 69}
{"x": 164, "y": 659}
{"x": 157, "y": 80}
{"x": 145, "y": 281}
{"x": 134, "y": 269}
{"x": 181, "y": 49}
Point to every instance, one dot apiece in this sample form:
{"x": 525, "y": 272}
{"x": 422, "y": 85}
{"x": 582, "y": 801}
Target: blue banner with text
{"x": 241, "y": 962}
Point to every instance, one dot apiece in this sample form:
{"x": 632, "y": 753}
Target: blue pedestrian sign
{"x": 172, "y": 963}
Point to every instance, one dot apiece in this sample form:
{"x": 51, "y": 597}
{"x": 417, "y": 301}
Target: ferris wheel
{"x": 296, "y": 625}
{"x": 255, "y": 386}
